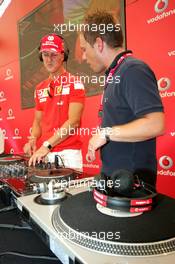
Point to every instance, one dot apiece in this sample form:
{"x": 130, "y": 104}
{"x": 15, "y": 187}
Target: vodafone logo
{"x": 161, "y": 11}
{"x": 89, "y": 165}
{"x": 171, "y": 53}
{"x": 10, "y": 114}
{"x": 30, "y": 133}
{"x": 4, "y": 133}
{"x": 2, "y": 96}
{"x": 50, "y": 37}
{"x": 163, "y": 84}
{"x": 16, "y": 132}
{"x": 165, "y": 162}
{"x": 9, "y": 74}
{"x": 160, "y": 6}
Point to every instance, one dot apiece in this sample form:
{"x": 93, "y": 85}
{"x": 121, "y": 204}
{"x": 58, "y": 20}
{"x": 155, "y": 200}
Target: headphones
{"x": 66, "y": 49}
{"x": 125, "y": 193}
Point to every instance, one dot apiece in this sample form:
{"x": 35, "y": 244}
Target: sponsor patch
{"x": 78, "y": 86}
{"x": 42, "y": 93}
{"x": 42, "y": 100}
{"x": 58, "y": 90}
{"x": 66, "y": 90}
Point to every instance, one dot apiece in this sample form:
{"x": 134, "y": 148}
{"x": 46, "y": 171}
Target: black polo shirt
{"x": 132, "y": 94}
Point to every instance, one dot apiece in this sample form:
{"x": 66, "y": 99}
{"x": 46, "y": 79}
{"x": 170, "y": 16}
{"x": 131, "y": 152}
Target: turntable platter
{"x": 151, "y": 233}
{"x": 10, "y": 159}
{"x": 45, "y": 175}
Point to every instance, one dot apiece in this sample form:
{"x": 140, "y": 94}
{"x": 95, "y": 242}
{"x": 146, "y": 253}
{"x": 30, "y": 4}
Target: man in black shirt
{"x": 131, "y": 110}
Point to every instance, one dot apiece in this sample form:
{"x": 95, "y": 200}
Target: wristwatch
{"x": 107, "y": 138}
{"x": 106, "y": 132}
{"x": 47, "y": 145}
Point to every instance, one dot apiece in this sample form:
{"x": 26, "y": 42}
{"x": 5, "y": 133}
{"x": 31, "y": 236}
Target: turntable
{"x": 6, "y": 159}
{"x": 152, "y": 233}
{"x": 77, "y": 231}
{"x": 39, "y": 175}
{"x": 123, "y": 234}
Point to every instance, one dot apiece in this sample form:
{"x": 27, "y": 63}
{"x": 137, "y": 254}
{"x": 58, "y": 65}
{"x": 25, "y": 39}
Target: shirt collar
{"x": 113, "y": 64}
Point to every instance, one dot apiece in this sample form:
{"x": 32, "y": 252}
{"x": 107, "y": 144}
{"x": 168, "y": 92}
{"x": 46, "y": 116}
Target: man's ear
{"x": 99, "y": 44}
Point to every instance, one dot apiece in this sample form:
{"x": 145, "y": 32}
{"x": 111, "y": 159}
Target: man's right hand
{"x": 30, "y": 147}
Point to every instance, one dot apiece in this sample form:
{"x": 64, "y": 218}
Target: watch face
{"x": 47, "y": 144}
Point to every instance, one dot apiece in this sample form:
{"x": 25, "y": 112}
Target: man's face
{"x": 52, "y": 60}
{"x": 91, "y": 55}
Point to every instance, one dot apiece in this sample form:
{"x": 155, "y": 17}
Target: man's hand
{"x": 38, "y": 155}
{"x": 95, "y": 143}
{"x": 30, "y": 147}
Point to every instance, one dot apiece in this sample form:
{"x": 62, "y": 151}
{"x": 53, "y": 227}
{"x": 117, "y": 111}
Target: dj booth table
{"x": 147, "y": 238}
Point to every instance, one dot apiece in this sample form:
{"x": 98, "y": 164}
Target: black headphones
{"x": 125, "y": 192}
{"x": 66, "y": 49}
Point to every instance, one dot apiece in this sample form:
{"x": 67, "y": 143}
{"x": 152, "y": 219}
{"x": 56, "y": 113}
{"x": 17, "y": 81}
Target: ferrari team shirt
{"x": 53, "y": 97}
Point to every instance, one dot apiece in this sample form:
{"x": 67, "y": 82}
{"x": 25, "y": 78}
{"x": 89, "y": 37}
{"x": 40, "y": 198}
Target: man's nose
{"x": 49, "y": 58}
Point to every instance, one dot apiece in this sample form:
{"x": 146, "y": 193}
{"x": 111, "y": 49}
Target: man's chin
{"x": 51, "y": 70}
{"x": 96, "y": 70}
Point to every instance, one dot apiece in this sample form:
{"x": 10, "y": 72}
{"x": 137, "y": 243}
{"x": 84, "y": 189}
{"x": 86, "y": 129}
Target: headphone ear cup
{"x": 40, "y": 57}
{"x": 101, "y": 183}
{"x": 66, "y": 54}
{"x": 123, "y": 181}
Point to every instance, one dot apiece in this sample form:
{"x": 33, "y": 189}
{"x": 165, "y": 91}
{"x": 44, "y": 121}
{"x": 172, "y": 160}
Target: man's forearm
{"x": 140, "y": 129}
{"x": 69, "y": 127}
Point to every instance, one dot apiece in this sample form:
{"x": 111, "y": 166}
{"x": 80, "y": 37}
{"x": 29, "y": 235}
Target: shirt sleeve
{"x": 77, "y": 92}
{"x": 141, "y": 91}
{"x": 38, "y": 105}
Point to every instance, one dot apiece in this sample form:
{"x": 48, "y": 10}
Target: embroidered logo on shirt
{"x": 58, "y": 90}
{"x": 66, "y": 90}
{"x": 78, "y": 86}
{"x": 42, "y": 93}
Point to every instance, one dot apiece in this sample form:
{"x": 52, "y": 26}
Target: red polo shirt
{"x": 53, "y": 99}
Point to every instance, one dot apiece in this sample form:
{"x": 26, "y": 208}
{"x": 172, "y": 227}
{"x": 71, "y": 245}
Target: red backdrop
{"x": 150, "y": 34}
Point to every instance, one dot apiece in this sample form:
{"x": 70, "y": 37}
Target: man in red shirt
{"x": 59, "y": 106}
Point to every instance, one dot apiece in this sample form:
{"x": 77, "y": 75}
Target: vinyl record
{"x": 152, "y": 233}
{"x": 6, "y": 159}
{"x": 40, "y": 175}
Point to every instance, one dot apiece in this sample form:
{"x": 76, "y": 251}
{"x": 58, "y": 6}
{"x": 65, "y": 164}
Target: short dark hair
{"x": 112, "y": 37}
